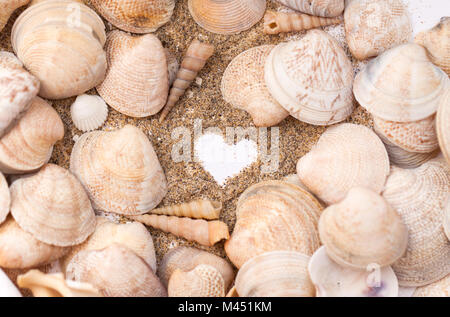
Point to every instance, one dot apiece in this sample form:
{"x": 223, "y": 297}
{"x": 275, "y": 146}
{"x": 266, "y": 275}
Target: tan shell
{"x": 362, "y": 230}
{"x": 200, "y": 208}
{"x": 5, "y": 198}
{"x": 440, "y": 288}
{"x": 274, "y": 215}
{"x": 172, "y": 66}
{"x": 346, "y": 156}
{"x": 7, "y": 287}
{"x": 443, "y": 125}
{"x": 437, "y": 43}
{"x": 324, "y": 8}
{"x": 275, "y": 274}
{"x": 419, "y": 195}
{"x": 53, "y": 206}
{"x": 29, "y": 144}
{"x": 115, "y": 271}
{"x": 401, "y": 85}
{"x": 119, "y": 170}
{"x": 136, "y": 83}
{"x": 7, "y": 7}
{"x": 374, "y": 26}
{"x": 311, "y": 78}
{"x": 202, "y": 281}
{"x": 447, "y": 218}
{"x": 227, "y": 17}
{"x": 244, "y": 87}
{"x": 137, "y": 16}
{"x": 61, "y": 43}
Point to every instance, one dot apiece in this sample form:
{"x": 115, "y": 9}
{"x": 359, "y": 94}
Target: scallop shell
{"x": 419, "y": 195}
{"x": 244, "y": 87}
{"x": 311, "y": 78}
{"x": 333, "y": 280}
{"x": 346, "y": 156}
{"x": 275, "y": 274}
{"x": 200, "y": 208}
{"x": 7, "y": 287}
{"x": 227, "y": 17}
{"x": 274, "y": 215}
{"x": 88, "y": 112}
{"x": 53, "y": 206}
{"x": 202, "y": 281}
{"x": 440, "y": 288}
{"x": 137, "y": 16}
{"x": 7, "y": 9}
{"x": 443, "y": 125}
{"x": 324, "y": 8}
{"x": 401, "y": 85}
{"x": 119, "y": 170}
{"x": 136, "y": 83}
{"x": 115, "y": 271}
{"x": 61, "y": 43}
{"x": 5, "y": 198}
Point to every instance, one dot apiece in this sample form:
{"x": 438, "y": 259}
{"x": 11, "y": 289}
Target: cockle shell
{"x": 274, "y": 215}
{"x": 401, "y": 85}
{"x": 136, "y": 83}
{"x": 137, "y": 16}
{"x": 243, "y": 86}
{"x": 362, "y": 230}
{"x": 440, "y": 288}
{"x": 324, "y": 8}
{"x": 443, "y": 125}
{"x": 333, "y": 280}
{"x": 311, "y": 78}
{"x": 200, "y": 208}
{"x": 115, "y": 271}
{"x": 7, "y": 7}
{"x": 53, "y": 206}
{"x": 374, "y": 26}
{"x": 7, "y": 287}
{"x": 227, "y": 17}
{"x": 447, "y": 218}
{"x": 61, "y": 43}
{"x": 202, "y": 281}
{"x": 346, "y": 156}
{"x": 419, "y": 196}
{"x": 88, "y": 112}
{"x": 119, "y": 170}
{"x": 275, "y": 274}
{"x": 5, "y": 198}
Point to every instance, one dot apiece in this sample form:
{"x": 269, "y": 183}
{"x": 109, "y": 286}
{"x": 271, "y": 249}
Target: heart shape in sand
{"x": 222, "y": 160}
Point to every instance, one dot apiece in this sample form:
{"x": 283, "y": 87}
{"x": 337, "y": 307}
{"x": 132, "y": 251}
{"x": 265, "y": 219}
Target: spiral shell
{"x": 324, "y": 8}
{"x": 200, "y": 208}
{"x": 443, "y": 125}
{"x": 88, "y": 112}
{"x": 5, "y": 198}
{"x": 202, "y": 281}
{"x": 7, "y": 9}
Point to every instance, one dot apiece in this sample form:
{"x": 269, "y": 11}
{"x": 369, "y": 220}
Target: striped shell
{"x": 5, "y": 198}
{"x": 443, "y": 125}
{"x": 202, "y": 281}
{"x": 88, "y": 112}
{"x": 324, "y": 8}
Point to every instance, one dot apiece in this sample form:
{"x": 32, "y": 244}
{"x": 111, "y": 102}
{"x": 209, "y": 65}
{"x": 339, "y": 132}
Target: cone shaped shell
{"x": 346, "y": 156}
{"x": 136, "y": 82}
{"x": 440, "y": 288}
{"x": 443, "y": 125}
{"x": 324, "y": 8}
{"x": 119, "y": 170}
{"x": 88, "y": 112}
{"x": 199, "y": 208}
{"x": 202, "y": 281}
{"x": 5, "y": 198}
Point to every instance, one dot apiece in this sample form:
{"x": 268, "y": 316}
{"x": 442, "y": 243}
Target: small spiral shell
{"x": 200, "y": 208}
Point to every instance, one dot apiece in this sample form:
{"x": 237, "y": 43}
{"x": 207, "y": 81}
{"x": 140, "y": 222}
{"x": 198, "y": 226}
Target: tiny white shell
{"x": 88, "y": 112}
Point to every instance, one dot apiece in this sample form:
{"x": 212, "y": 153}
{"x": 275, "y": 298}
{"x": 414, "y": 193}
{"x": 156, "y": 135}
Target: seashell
{"x": 324, "y": 8}
{"x": 61, "y": 43}
{"x": 363, "y": 230}
{"x": 5, "y": 198}
{"x": 137, "y": 16}
{"x": 88, "y": 112}
{"x": 172, "y": 66}
{"x": 200, "y": 208}
{"x": 20, "y": 249}
{"x": 244, "y": 87}
{"x": 53, "y": 206}
{"x": 227, "y": 17}
{"x": 203, "y": 232}
{"x": 447, "y": 218}
{"x": 311, "y": 78}
{"x": 202, "y": 281}
{"x": 115, "y": 271}
{"x": 346, "y": 156}
{"x": 440, "y": 288}
{"x": 333, "y": 280}
{"x": 8, "y": 7}
{"x": 374, "y": 26}
{"x": 7, "y": 287}
{"x": 418, "y": 195}
{"x": 54, "y": 285}
{"x": 119, "y": 170}
{"x": 271, "y": 216}
{"x": 281, "y": 22}
{"x": 275, "y": 274}
{"x": 437, "y": 43}
{"x": 443, "y": 125}
{"x": 136, "y": 83}
{"x": 29, "y": 144}
{"x": 194, "y": 60}
{"x": 188, "y": 258}
{"x": 401, "y": 85}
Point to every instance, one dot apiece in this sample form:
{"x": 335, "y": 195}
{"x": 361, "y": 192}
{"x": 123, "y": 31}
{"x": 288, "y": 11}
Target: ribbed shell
{"x": 88, "y": 112}
{"x": 401, "y": 85}
{"x": 197, "y": 209}
{"x": 202, "y": 281}
{"x": 440, "y": 288}
{"x": 53, "y": 206}
{"x": 443, "y": 125}
{"x": 136, "y": 82}
{"x": 7, "y": 8}
{"x": 5, "y": 198}
{"x": 447, "y": 218}
{"x": 119, "y": 170}
{"x": 274, "y": 215}
{"x": 324, "y": 8}
{"x": 346, "y": 156}
{"x": 311, "y": 78}
{"x": 227, "y": 16}
{"x": 419, "y": 195}
{"x": 136, "y": 16}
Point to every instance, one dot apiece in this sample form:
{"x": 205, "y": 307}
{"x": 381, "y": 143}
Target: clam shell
{"x": 227, "y": 17}
{"x": 88, "y": 112}
{"x": 440, "y": 288}
{"x": 244, "y": 87}
{"x": 119, "y": 170}
{"x": 202, "y": 281}
{"x": 443, "y": 125}
{"x": 8, "y": 7}
{"x": 346, "y": 156}
{"x": 7, "y": 287}
{"x": 401, "y": 85}
{"x": 136, "y": 83}
{"x": 5, "y": 198}
{"x": 324, "y": 8}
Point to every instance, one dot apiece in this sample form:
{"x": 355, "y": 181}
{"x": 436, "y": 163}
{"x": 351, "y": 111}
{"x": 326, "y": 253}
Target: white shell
{"x": 88, "y": 112}
{"x": 7, "y": 287}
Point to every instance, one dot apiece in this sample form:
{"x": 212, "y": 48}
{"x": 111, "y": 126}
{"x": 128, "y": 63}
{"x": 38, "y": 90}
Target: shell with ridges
{"x": 7, "y": 7}
{"x": 324, "y": 8}
{"x": 199, "y": 208}
{"x": 202, "y": 281}
{"x": 440, "y": 288}
{"x": 443, "y": 125}
{"x": 447, "y": 218}
{"x": 5, "y": 198}
{"x": 88, "y": 112}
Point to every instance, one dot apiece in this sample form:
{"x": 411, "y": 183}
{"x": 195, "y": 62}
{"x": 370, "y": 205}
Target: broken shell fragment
{"x": 88, "y": 112}
{"x": 202, "y": 281}
{"x": 5, "y": 198}
{"x": 198, "y": 209}
{"x": 324, "y": 8}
